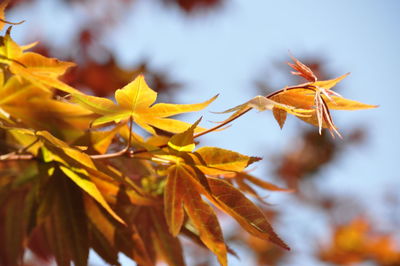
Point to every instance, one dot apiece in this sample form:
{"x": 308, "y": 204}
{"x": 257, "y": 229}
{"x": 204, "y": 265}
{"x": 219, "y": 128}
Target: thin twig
{"x": 17, "y": 155}
{"x": 12, "y": 23}
{"x": 13, "y": 157}
{"x": 222, "y": 124}
{"x": 118, "y": 153}
{"x": 125, "y": 151}
{"x": 201, "y": 133}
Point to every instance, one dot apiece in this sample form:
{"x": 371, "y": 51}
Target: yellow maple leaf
{"x": 37, "y": 69}
{"x": 136, "y": 101}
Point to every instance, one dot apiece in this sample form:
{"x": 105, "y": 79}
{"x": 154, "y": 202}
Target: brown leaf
{"x": 303, "y": 70}
{"x": 206, "y": 222}
{"x": 261, "y": 183}
{"x": 280, "y": 116}
{"x": 64, "y": 221}
{"x": 169, "y": 245}
{"x": 248, "y": 215}
{"x": 173, "y": 200}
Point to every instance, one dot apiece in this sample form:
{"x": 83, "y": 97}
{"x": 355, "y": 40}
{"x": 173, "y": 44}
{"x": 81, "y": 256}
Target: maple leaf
{"x": 314, "y": 95}
{"x": 40, "y": 70}
{"x": 242, "y": 179}
{"x": 73, "y": 163}
{"x": 2, "y": 16}
{"x": 357, "y": 242}
{"x": 135, "y": 101}
{"x": 310, "y": 101}
{"x": 189, "y": 174}
{"x": 24, "y": 103}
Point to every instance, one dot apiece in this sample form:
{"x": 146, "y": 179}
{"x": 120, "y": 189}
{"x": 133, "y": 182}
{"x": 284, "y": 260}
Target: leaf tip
{"x": 254, "y": 159}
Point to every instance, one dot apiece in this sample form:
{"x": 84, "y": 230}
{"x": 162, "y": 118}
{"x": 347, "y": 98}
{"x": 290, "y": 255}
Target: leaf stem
{"x": 17, "y": 155}
{"x": 118, "y": 153}
{"x": 222, "y": 124}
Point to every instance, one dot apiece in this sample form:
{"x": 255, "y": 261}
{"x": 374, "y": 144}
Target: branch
{"x": 125, "y": 151}
{"x": 224, "y": 123}
{"x": 17, "y": 155}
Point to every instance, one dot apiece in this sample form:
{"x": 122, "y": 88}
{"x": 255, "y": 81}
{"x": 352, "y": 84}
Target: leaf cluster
{"x": 76, "y": 174}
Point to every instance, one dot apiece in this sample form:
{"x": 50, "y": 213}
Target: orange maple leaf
{"x": 313, "y": 95}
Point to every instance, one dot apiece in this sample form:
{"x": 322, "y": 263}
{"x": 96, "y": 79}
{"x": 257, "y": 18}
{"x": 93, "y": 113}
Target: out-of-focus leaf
{"x": 42, "y": 71}
{"x": 64, "y": 221}
{"x": 169, "y": 245}
{"x": 88, "y": 186}
{"x": 99, "y": 220}
{"x": 16, "y": 91}
{"x": 63, "y": 119}
{"x": 135, "y": 240}
{"x": 102, "y": 247}
{"x": 13, "y": 228}
{"x": 356, "y": 242}
{"x": 1, "y": 78}
{"x": 196, "y": 6}
{"x": 39, "y": 245}
{"x": 206, "y": 222}
{"x": 261, "y": 183}
{"x": 248, "y": 215}
{"x": 3, "y": 6}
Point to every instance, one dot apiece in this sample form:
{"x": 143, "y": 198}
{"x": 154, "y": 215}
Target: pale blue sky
{"x": 224, "y": 52}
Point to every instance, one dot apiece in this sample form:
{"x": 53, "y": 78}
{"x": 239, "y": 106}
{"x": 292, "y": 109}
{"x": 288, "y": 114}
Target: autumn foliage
{"x": 81, "y": 172}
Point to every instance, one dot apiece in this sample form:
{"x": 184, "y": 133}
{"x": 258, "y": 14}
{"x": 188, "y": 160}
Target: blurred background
{"x": 346, "y": 206}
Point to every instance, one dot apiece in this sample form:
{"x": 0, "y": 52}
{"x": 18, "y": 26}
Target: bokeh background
{"x": 346, "y": 204}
